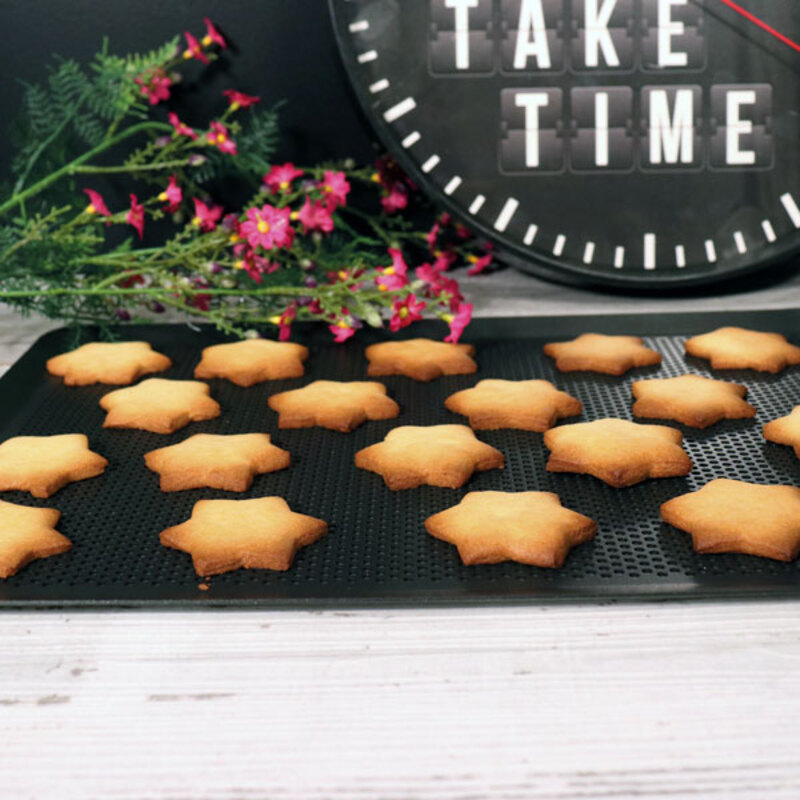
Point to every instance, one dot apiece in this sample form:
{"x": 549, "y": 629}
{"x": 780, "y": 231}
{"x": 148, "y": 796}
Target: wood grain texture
{"x": 643, "y": 701}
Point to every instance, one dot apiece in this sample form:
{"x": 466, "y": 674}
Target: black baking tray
{"x": 377, "y": 551}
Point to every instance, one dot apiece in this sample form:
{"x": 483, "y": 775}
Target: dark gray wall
{"x": 280, "y": 50}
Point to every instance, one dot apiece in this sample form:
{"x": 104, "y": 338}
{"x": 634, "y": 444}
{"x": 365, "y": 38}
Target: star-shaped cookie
{"x": 596, "y": 352}
{"x": 728, "y": 516}
{"x": 740, "y": 348}
{"x": 252, "y": 361}
{"x": 437, "y": 455}
{"x": 41, "y": 465}
{"x": 107, "y": 362}
{"x": 420, "y": 359}
{"x": 616, "y": 451}
{"x": 533, "y": 405}
{"x": 691, "y": 399}
{"x": 27, "y": 534}
{"x": 159, "y": 405}
{"x": 216, "y": 461}
{"x": 223, "y": 535}
{"x": 339, "y": 406}
{"x": 785, "y": 430}
{"x": 529, "y": 527}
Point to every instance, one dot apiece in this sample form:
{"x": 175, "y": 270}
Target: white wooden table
{"x": 521, "y": 703}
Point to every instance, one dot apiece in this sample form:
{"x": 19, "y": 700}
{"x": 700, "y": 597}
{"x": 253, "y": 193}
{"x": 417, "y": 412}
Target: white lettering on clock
{"x": 531, "y": 102}
{"x": 736, "y": 127}
{"x": 462, "y": 8}
{"x": 598, "y": 15}
{"x": 601, "y": 129}
{"x": 671, "y": 139}
{"x": 531, "y": 36}
{"x": 667, "y": 29}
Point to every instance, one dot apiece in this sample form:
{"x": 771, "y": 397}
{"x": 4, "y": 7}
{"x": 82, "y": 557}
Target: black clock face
{"x": 623, "y": 141}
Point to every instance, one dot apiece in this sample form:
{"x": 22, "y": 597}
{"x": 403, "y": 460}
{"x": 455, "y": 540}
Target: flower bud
{"x": 122, "y": 314}
{"x": 195, "y": 160}
{"x": 349, "y": 163}
{"x": 251, "y": 334}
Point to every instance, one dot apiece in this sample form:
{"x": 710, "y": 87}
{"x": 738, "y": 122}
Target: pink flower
{"x": 172, "y": 195}
{"x": 395, "y": 199}
{"x": 239, "y": 100}
{"x": 405, "y": 312}
{"x": 180, "y": 128}
{"x": 96, "y": 204}
{"x": 284, "y": 321}
{"x": 432, "y": 235}
{"x": 155, "y": 87}
{"x": 444, "y": 260}
{"x": 213, "y": 35}
{"x": 268, "y": 227}
{"x": 205, "y": 217}
{"x": 335, "y": 185}
{"x": 479, "y": 264}
{"x": 315, "y": 217}
{"x": 218, "y": 136}
{"x": 342, "y": 329}
{"x": 459, "y": 322}
{"x": 438, "y": 285}
{"x": 135, "y": 216}
{"x": 393, "y": 277}
{"x": 193, "y": 49}
{"x": 280, "y": 177}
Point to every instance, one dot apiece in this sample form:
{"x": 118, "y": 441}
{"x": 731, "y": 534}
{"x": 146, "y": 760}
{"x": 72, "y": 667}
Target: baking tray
{"x": 377, "y": 551}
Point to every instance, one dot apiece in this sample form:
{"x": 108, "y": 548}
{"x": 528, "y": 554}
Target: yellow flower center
{"x": 234, "y": 237}
{"x": 221, "y": 138}
{"x": 403, "y": 312}
{"x": 275, "y": 320}
{"x": 235, "y": 106}
{"x": 329, "y": 189}
{"x": 206, "y": 40}
{"x": 389, "y": 271}
{"x": 163, "y": 197}
{"x": 187, "y": 54}
{"x": 448, "y": 318}
{"x": 238, "y": 264}
{"x": 294, "y": 216}
{"x": 375, "y": 178}
{"x": 342, "y": 274}
{"x": 197, "y": 222}
{"x": 342, "y": 324}
{"x": 284, "y": 185}
{"x": 472, "y": 258}
{"x": 263, "y": 226}
{"x": 382, "y": 288}
{"x": 90, "y": 209}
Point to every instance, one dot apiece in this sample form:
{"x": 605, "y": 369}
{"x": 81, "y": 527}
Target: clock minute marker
{"x": 359, "y": 26}
{"x": 477, "y": 204}
{"x": 649, "y": 251}
{"x": 379, "y": 86}
{"x": 588, "y": 253}
{"x": 769, "y": 231}
{"x": 505, "y": 216}
{"x": 711, "y": 251}
{"x": 558, "y": 247}
{"x": 452, "y": 184}
{"x": 791, "y": 209}
{"x": 365, "y": 58}
{"x": 431, "y": 163}
{"x": 741, "y": 244}
{"x": 401, "y": 109}
{"x": 411, "y": 139}
{"x": 680, "y": 256}
{"x": 619, "y": 258}
{"x": 530, "y": 234}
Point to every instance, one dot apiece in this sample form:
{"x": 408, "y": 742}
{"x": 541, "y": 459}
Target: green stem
{"x": 89, "y": 169}
{"x": 70, "y": 169}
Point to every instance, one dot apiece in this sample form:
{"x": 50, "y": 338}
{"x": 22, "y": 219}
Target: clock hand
{"x": 761, "y": 24}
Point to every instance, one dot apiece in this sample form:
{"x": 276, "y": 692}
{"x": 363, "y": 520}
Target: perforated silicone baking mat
{"x": 377, "y": 551}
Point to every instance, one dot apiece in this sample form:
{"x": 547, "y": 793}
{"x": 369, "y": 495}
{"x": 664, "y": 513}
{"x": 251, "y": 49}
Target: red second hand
{"x": 761, "y": 24}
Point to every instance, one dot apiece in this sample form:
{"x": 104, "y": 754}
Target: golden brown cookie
{"x": 159, "y": 405}
{"x": 437, "y": 455}
{"x": 340, "y": 406}
{"x": 41, "y": 465}
{"x": 526, "y": 405}
{"x": 27, "y": 534}
{"x": 785, "y": 430}
{"x": 223, "y": 535}
{"x": 252, "y": 361}
{"x": 529, "y": 527}
{"x": 596, "y": 352}
{"x": 107, "y": 362}
{"x": 739, "y": 348}
{"x": 727, "y": 516}
{"x": 691, "y": 399}
{"x": 216, "y": 462}
{"x": 616, "y": 451}
{"x": 420, "y": 359}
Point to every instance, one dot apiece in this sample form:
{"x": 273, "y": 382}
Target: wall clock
{"x": 629, "y": 142}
